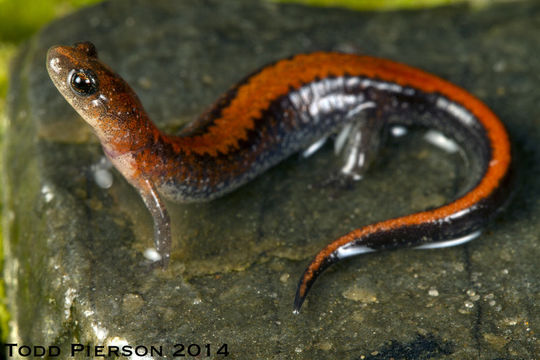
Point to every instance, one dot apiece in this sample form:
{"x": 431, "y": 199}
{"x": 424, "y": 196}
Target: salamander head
{"x": 99, "y": 95}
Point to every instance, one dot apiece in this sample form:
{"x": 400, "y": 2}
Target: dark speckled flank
{"x": 284, "y": 128}
{"x": 301, "y": 117}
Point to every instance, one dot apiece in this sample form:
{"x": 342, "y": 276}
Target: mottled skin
{"x": 277, "y": 111}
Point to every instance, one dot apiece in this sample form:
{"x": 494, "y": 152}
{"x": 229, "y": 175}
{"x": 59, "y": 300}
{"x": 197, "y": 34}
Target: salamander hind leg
{"x": 359, "y": 142}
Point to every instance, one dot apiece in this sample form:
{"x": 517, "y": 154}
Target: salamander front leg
{"x": 162, "y": 222}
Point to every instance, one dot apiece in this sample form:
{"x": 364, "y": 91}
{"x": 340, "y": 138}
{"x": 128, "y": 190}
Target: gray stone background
{"x": 74, "y": 268}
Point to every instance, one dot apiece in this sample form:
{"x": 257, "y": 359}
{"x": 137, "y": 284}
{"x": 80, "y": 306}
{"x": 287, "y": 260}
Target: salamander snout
{"x": 54, "y": 60}
{"x": 78, "y": 75}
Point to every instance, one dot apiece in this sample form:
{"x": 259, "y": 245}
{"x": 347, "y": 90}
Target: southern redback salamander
{"x": 279, "y": 110}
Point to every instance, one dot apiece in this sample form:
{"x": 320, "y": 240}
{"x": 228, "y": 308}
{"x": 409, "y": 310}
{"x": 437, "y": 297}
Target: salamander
{"x": 281, "y": 109}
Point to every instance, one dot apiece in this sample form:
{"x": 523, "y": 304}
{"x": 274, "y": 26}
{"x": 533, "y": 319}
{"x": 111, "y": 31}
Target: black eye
{"x": 83, "y": 82}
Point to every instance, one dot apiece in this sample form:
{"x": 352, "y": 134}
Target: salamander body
{"x": 282, "y": 109}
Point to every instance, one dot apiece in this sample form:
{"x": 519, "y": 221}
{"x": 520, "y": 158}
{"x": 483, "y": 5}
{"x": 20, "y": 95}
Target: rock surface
{"x": 74, "y": 267}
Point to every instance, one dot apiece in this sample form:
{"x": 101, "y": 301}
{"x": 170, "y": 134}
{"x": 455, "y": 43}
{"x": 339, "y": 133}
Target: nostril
{"x": 54, "y": 64}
